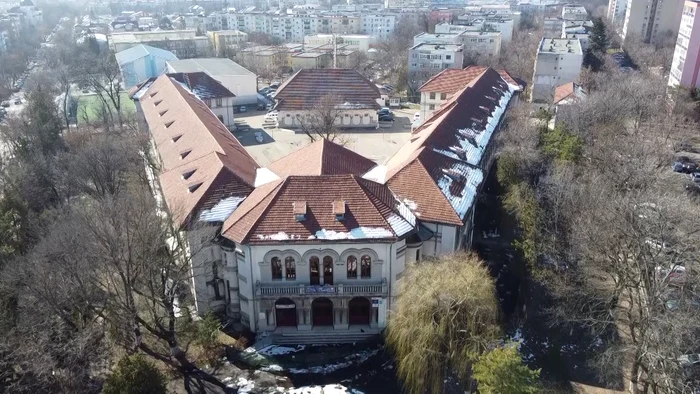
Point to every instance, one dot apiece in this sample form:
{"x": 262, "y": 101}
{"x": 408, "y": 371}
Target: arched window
{"x": 290, "y": 267}
{"x": 365, "y": 267}
{"x": 352, "y": 267}
{"x": 315, "y": 275}
{"x": 276, "y": 265}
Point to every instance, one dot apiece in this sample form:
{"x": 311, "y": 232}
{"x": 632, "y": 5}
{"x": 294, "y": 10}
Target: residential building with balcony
{"x": 616, "y": 12}
{"x": 685, "y": 68}
{"x": 558, "y": 62}
{"x": 353, "y": 42}
{"x": 651, "y": 20}
{"x": 225, "y": 41}
{"x": 426, "y": 60}
{"x": 315, "y": 242}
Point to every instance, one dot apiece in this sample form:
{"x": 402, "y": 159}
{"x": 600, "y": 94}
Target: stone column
{"x": 339, "y": 320}
{"x": 305, "y": 323}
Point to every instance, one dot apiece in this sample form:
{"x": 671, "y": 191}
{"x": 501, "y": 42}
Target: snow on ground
{"x": 273, "y": 350}
{"x": 327, "y": 389}
{"x": 349, "y": 360}
{"x": 245, "y": 386}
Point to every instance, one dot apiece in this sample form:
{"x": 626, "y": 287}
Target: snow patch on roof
{"x": 263, "y": 176}
{"x": 461, "y": 197}
{"x": 356, "y": 233}
{"x": 222, "y": 210}
{"x": 280, "y": 236}
{"x": 376, "y": 174}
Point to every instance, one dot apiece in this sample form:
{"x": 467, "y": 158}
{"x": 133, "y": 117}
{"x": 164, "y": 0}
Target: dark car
{"x": 684, "y": 165}
{"x": 386, "y": 118}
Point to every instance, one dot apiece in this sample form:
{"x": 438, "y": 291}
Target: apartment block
{"x": 574, "y": 13}
{"x": 650, "y": 20}
{"x": 558, "y": 62}
{"x": 354, "y": 42}
{"x": 224, "y": 40}
{"x": 427, "y": 59}
{"x": 184, "y": 44}
{"x": 475, "y": 43}
{"x": 616, "y": 11}
{"x": 685, "y": 68}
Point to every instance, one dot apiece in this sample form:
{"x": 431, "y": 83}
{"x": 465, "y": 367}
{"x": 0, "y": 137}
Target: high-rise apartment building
{"x": 616, "y": 11}
{"x": 686, "y": 58}
{"x": 650, "y": 20}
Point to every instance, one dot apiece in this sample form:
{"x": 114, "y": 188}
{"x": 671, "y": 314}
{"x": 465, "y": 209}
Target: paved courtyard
{"x": 376, "y": 144}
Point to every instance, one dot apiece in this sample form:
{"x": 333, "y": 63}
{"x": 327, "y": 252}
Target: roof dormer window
{"x": 184, "y": 154}
{"x": 187, "y": 174}
{"x": 339, "y": 210}
{"x": 300, "y": 210}
{"x": 193, "y": 188}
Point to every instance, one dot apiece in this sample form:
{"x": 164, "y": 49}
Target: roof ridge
{"x": 365, "y": 192}
{"x": 275, "y": 190}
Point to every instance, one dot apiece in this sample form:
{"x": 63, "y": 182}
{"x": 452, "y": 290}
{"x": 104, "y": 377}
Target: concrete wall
{"x": 553, "y": 69}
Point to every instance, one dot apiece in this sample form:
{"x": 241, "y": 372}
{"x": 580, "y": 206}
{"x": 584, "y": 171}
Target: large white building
{"x": 353, "y": 42}
{"x": 184, "y": 44}
{"x": 685, "y": 69}
{"x": 558, "y": 62}
{"x": 311, "y": 247}
{"x": 426, "y": 60}
{"x": 241, "y": 82}
{"x": 616, "y": 12}
{"x": 475, "y": 43}
{"x": 650, "y": 20}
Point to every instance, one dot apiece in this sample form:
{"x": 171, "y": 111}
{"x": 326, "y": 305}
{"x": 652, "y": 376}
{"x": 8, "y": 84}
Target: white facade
{"x": 558, "y": 62}
{"x": 426, "y": 60}
{"x": 360, "y": 118}
{"x": 482, "y": 43}
{"x": 574, "y": 13}
{"x": 685, "y": 68}
{"x": 353, "y": 42}
{"x": 649, "y": 20}
{"x": 616, "y": 11}
{"x": 430, "y": 101}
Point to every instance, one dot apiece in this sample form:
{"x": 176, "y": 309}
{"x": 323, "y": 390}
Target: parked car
{"x": 695, "y": 177}
{"x": 18, "y": 101}
{"x": 264, "y": 91}
{"x": 5, "y": 104}
{"x": 684, "y": 165}
{"x": 259, "y": 137}
{"x": 271, "y": 115}
{"x": 386, "y": 118}
{"x": 268, "y": 107}
{"x": 416, "y": 116}
{"x": 688, "y": 360}
{"x": 384, "y": 111}
{"x": 243, "y": 108}
{"x": 274, "y": 85}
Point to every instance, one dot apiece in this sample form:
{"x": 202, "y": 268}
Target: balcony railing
{"x": 265, "y": 290}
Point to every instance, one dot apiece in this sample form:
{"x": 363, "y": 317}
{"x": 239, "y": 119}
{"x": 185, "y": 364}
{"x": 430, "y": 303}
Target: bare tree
{"x": 325, "y": 119}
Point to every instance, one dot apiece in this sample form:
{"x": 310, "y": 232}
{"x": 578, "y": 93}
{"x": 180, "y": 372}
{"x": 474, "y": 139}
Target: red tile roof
{"x": 452, "y": 80}
{"x": 201, "y": 161}
{"x": 322, "y": 157}
{"x": 268, "y": 215}
{"x": 565, "y": 91}
{"x": 434, "y": 168}
{"x": 303, "y": 90}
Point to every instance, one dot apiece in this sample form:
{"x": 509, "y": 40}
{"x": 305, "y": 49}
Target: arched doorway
{"x": 322, "y": 312}
{"x": 359, "y": 311}
{"x": 285, "y": 313}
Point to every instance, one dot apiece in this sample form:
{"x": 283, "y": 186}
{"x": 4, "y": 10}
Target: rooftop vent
{"x": 184, "y": 154}
{"x": 193, "y": 188}
{"x": 339, "y": 210}
{"x": 453, "y": 174}
{"x": 299, "y": 208}
{"x": 187, "y": 174}
{"x": 461, "y": 153}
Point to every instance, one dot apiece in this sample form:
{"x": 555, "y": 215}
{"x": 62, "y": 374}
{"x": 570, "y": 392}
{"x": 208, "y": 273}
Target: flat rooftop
{"x": 560, "y": 46}
{"x": 153, "y": 35}
{"x": 438, "y": 47}
{"x": 209, "y": 65}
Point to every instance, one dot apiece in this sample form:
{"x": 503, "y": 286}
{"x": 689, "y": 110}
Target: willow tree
{"x": 445, "y": 316}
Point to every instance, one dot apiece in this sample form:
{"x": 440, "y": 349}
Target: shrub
{"x": 134, "y": 375}
{"x": 502, "y": 371}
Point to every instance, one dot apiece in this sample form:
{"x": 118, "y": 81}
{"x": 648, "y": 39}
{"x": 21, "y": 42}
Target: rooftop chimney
{"x": 299, "y": 210}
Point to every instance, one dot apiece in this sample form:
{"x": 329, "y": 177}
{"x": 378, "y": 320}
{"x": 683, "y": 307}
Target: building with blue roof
{"x": 142, "y": 62}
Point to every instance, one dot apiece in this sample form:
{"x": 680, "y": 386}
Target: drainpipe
{"x": 252, "y": 291}
{"x": 437, "y": 231}
{"x": 391, "y": 262}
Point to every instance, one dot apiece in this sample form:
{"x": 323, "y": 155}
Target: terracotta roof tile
{"x": 438, "y": 169}
{"x": 201, "y": 161}
{"x": 321, "y": 157}
{"x": 303, "y": 89}
{"x": 451, "y": 81}
{"x": 569, "y": 90}
{"x": 372, "y": 213}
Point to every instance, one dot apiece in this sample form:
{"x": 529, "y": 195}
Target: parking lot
{"x": 376, "y": 144}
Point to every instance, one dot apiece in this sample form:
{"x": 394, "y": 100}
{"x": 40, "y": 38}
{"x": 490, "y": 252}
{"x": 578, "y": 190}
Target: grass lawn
{"x": 90, "y": 107}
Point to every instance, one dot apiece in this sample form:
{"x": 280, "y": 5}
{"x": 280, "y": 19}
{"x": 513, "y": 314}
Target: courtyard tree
{"x": 445, "y": 316}
{"x": 502, "y": 371}
{"x": 322, "y": 122}
{"x": 135, "y": 375}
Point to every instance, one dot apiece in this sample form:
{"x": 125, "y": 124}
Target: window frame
{"x": 290, "y": 264}
{"x": 366, "y": 265}
{"x": 351, "y": 267}
{"x": 276, "y": 265}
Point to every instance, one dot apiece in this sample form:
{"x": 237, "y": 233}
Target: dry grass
{"x": 445, "y": 316}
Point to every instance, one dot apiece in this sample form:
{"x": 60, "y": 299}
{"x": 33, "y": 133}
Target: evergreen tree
{"x": 502, "y": 371}
{"x": 599, "y": 36}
